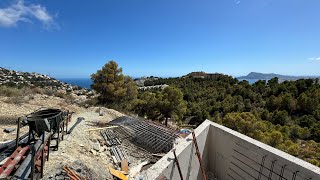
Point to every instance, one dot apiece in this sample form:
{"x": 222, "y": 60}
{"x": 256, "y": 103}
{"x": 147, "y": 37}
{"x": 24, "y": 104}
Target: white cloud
{"x": 237, "y": 2}
{"x": 21, "y": 12}
{"x": 315, "y": 59}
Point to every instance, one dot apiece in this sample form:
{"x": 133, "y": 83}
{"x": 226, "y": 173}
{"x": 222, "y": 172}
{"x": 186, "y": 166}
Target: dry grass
{"x": 22, "y": 95}
{"x": 9, "y": 91}
{"x": 17, "y": 100}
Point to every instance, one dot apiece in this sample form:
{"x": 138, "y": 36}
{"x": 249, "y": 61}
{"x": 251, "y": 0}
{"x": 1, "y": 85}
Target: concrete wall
{"x": 166, "y": 168}
{"x": 236, "y": 156}
{"x": 230, "y": 155}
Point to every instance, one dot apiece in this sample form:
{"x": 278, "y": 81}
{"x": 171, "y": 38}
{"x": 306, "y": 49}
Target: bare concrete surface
{"x": 227, "y": 154}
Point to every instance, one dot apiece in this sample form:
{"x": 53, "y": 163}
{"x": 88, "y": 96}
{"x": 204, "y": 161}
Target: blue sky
{"x": 74, "y": 38}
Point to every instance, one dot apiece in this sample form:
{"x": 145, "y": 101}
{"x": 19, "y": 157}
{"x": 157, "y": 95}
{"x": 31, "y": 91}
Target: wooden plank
{"x": 124, "y": 166}
{"x": 96, "y": 129}
{"x": 117, "y": 174}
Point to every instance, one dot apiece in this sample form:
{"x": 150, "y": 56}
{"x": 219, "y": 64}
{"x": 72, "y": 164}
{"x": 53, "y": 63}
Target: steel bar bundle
{"x": 118, "y": 153}
{"x": 152, "y": 136}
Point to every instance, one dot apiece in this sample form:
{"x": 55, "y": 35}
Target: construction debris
{"x": 73, "y": 175}
{"x": 177, "y": 163}
{"x": 118, "y": 153}
{"x": 124, "y": 166}
{"x": 9, "y": 130}
{"x": 110, "y": 137}
{"x": 79, "y": 119}
{"x": 117, "y": 174}
{"x": 96, "y": 146}
{"x": 151, "y": 136}
{"x": 97, "y": 129}
{"x": 133, "y": 138}
{"x": 134, "y": 171}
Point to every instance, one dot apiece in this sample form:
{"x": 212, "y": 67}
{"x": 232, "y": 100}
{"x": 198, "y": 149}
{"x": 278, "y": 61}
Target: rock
{"x": 79, "y": 170}
{"x": 59, "y": 177}
{"x": 103, "y": 148}
{"x": 81, "y": 145}
{"x": 100, "y": 112}
{"x": 26, "y": 98}
{"x": 9, "y": 130}
{"x": 108, "y": 153}
{"x": 96, "y": 146}
{"x": 58, "y": 172}
{"x": 94, "y": 152}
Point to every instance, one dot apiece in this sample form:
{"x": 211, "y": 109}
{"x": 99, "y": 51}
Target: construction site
{"x": 100, "y": 143}
{"x": 52, "y": 143}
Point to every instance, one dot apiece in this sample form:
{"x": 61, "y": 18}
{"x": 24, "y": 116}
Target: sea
{"x": 251, "y": 81}
{"x": 86, "y": 82}
{"x": 82, "y": 82}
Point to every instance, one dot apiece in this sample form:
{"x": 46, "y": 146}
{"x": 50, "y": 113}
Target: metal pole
{"x": 177, "y": 162}
{"x": 42, "y": 154}
{"x": 49, "y": 141}
{"x": 33, "y": 152}
{"x": 68, "y": 118}
{"x": 199, "y": 156}
{"x": 18, "y": 132}
{"x": 62, "y": 129}
{"x": 58, "y": 139}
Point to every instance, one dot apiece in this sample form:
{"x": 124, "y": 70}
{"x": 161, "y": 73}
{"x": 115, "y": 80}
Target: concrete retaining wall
{"x": 185, "y": 150}
{"x": 236, "y": 156}
{"x": 230, "y": 155}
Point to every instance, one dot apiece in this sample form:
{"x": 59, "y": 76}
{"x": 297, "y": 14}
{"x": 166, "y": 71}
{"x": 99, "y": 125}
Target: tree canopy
{"x": 285, "y": 114}
{"x": 112, "y": 85}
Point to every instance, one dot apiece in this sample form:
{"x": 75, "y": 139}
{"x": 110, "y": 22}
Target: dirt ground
{"x": 75, "y": 151}
{"x": 10, "y": 112}
{"x": 82, "y": 150}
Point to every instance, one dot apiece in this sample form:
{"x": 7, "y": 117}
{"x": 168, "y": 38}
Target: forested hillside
{"x": 284, "y": 115}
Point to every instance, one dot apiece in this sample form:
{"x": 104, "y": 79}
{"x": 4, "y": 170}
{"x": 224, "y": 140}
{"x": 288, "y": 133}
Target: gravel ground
{"x": 10, "y": 112}
{"x": 75, "y": 151}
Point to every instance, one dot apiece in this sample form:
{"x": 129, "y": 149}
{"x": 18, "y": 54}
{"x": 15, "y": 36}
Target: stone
{"x": 58, "y": 172}
{"x": 9, "y": 130}
{"x": 103, "y": 148}
{"x": 94, "y": 152}
{"x": 96, "y": 146}
{"x": 59, "y": 177}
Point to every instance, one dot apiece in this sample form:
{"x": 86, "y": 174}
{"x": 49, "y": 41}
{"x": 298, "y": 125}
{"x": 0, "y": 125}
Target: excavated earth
{"x": 83, "y": 150}
{"x": 75, "y": 151}
{"x": 79, "y": 150}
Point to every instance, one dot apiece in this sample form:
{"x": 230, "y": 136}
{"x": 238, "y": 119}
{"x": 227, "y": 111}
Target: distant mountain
{"x": 203, "y": 75}
{"x": 263, "y": 76}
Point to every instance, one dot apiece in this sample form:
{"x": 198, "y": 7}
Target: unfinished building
{"x": 227, "y": 154}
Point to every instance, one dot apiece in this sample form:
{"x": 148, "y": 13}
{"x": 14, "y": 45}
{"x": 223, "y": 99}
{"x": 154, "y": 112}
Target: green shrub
{"x": 37, "y": 90}
{"x": 59, "y": 94}
{"x": 48, "y": 92}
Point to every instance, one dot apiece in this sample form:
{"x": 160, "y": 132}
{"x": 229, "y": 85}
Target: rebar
{"x": 152, "y": 136}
